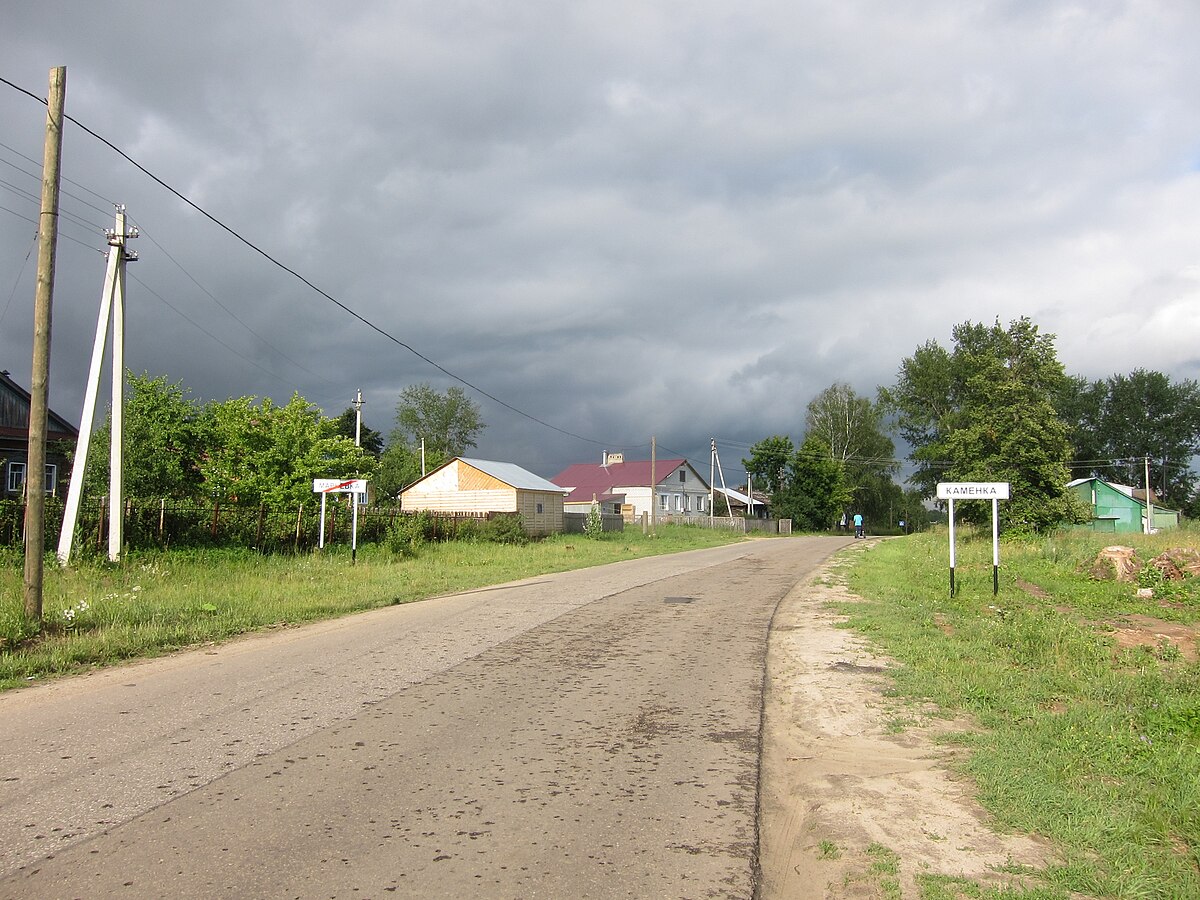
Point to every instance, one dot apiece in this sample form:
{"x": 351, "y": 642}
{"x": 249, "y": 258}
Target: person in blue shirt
{"x": 858, "y": 525}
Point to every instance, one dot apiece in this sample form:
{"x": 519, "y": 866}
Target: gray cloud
{"x": 626, "y": 219}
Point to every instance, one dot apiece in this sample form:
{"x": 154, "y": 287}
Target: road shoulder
{"x": 846, "y": 806}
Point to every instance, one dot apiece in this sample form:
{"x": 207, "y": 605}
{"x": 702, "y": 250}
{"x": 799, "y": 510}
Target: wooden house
{"x": 61, "y": 436}
{"x": 478, "y": 486}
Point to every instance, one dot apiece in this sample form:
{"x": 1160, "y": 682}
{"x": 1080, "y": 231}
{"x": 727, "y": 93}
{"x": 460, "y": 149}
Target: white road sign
{"x": 972, "y": 490}
{"x": 339, "y": 485}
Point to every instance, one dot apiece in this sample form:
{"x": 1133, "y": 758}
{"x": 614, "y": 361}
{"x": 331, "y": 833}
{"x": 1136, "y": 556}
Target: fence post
{"x": 299, "y": 518}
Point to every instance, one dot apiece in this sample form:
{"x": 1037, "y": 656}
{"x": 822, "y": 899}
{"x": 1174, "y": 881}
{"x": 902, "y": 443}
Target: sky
{"x": 613, "y": 220}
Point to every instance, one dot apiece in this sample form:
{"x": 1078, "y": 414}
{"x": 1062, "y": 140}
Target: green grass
{"x": 150, "y": 604}
{"x": 1093, "y": 746}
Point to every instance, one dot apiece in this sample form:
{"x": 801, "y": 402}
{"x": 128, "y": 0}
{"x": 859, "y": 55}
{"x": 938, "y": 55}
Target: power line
{"x": 230, "y": 312}
{"x": 17, "y": 280}
{"x": 267, "y": 256}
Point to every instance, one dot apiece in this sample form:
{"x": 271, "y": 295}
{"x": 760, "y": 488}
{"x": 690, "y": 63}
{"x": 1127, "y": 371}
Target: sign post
{"x": 976, "y": 490}
{"x": 326, "y": 486}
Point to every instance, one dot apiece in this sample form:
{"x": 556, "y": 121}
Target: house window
{"x": 700, "y": 503}
{"x": 616, "y": 509}
{"x": 663, "y": 502}
{"x": 678, "y": 503}
{"x": 16, "y": 477}
{"x": 539, "y": 509}
{"x": 682, "y": 476}
{"x": 686, "y": 502}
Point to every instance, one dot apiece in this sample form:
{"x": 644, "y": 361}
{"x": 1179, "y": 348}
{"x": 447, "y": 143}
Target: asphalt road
{"x": 589, "y": 734}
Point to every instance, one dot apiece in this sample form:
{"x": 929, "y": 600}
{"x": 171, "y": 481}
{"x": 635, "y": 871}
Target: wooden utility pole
{"x": 39, "y": 386}
{"x": 653, "y": 482}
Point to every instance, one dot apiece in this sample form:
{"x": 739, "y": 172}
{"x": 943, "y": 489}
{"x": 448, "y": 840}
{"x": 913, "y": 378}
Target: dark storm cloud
{"x": 669, "y": 219}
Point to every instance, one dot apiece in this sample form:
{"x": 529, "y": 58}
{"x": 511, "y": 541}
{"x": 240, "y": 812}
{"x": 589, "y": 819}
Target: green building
{"x": 1116, "y": 508}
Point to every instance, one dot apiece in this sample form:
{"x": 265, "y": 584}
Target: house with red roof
{"x": 625, "y": 487}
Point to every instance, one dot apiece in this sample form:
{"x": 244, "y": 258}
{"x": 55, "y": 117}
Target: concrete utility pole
{"x": 39, "y": 386}
{"x": 358, "y": 405}
{"x": 112, "y": 306}
{"x": 1149, "y": 503}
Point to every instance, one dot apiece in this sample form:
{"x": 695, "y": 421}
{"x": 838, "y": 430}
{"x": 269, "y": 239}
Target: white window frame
{"x": 664, "y": 502}
{"x": 14, "y": 483}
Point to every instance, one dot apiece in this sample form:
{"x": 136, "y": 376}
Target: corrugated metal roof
{"x": 586, "y": 479}
{"x": 513, "y": 475}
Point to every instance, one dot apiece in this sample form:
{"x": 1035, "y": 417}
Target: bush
{"x": 410, "y": 532}
{"x": 593, "y": 525}
{"x": 504, "y": 528}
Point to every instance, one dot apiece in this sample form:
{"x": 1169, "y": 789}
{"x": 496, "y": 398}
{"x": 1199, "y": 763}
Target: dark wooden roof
{"x": 14, "y": 414}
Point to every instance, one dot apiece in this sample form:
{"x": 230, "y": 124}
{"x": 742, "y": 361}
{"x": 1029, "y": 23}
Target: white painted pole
{"x": 358, "y": 405}
{"x": 116, "y": 509}
{"x": 75, "y": 489}
{"x": 951, "y": 502}
{"x": 321, "y": 536}
{"x": 995, "y": 546}
{"x": 712, "y": 485}
{"x": 354, "y": 528}
{"x": 1149, "y": 504}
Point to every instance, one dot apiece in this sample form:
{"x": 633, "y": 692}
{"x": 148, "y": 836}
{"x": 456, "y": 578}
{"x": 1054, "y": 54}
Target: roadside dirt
{"x": 849, "y": 809}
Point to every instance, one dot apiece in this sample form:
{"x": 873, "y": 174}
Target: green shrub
{"x": 593, "y": 525}
{"x": 504, "y": 528}
{"x": 410, "y": 532}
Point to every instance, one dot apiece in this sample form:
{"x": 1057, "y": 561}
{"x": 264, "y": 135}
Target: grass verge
{"x": 150, "y": 604}
{"x": 1086, "y": 697}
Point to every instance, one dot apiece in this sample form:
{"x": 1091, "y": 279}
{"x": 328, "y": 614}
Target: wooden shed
{"x": 479, "y": 486}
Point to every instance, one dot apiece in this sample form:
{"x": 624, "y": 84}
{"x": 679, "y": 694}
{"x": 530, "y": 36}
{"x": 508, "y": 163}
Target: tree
{"x": 263, "y": 453}
{"x": 1117, "y": 423}
{"x": 164, "y": 441}
{"x": 369, "y": 439}
{"x": 768, "y": 462}
{"x": 852, "y": 427}
{"x": 985, "y": 413}
{"x": 448, "y": 422}
{"x": 814, "y": 491}
{"x": 399, "y": 466}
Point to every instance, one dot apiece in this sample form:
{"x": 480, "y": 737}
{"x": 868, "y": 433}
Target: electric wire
{"x": 204, "y": 330}
{"x": 17, "y": 280}
{"x": 295, "y": 274}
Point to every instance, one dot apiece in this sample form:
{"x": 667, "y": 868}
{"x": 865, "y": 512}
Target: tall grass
{"x": 1091, "y": 745}
{"x": 153, "y": 603}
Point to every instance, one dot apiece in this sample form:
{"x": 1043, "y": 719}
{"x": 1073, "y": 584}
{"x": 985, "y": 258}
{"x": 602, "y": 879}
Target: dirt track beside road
{"x": 843, "y": 798}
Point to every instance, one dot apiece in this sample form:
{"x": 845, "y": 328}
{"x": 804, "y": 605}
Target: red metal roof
{"x": 592, "y": 478}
